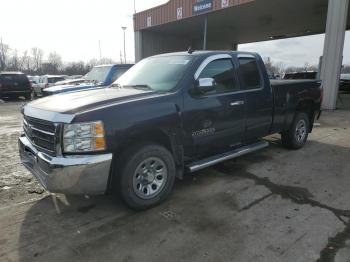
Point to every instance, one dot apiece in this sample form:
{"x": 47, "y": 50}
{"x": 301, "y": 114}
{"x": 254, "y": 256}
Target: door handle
{"x": 237, "y": 103}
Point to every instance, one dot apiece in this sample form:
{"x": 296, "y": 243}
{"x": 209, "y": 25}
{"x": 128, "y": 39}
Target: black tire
{"x": 29, "y": 97}
{"x": 295, "y": 138}
{"x": 128, "y": 167}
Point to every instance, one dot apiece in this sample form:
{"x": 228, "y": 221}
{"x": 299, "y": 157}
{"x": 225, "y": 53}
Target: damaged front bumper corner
{"x": 75, "y": 174}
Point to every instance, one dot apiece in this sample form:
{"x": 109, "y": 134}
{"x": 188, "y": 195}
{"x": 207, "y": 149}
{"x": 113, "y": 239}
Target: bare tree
{"x": 76, "y": 68}
{"x": 37, "y": 56}
{"x": 4, "y": 55}
{"x": 31, "y": 62}
{"x": 280, "y": 67}
{"x": 54, "y": 62}
{"x": 25, "y": 62}
{"x": 92, "y": 63}
{"x": 106, "y": 61}
{"x": 274, "y": 68}
{"x": 14, "y": 61}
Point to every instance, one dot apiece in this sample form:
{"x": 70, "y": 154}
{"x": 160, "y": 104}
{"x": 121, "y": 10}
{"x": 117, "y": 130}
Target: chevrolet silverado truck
{"x": 169, "y": 115}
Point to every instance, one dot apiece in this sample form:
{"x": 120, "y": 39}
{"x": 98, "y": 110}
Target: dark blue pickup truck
{"x": 99, "y": 77}
{"x": 168, "y": 115}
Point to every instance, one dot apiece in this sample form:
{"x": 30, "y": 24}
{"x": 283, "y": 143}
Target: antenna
{"x": 190, "y": 50}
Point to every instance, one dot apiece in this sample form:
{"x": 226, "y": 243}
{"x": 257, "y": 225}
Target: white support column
{"x": 333, "y": 51}
{"x": 138, "y": 46}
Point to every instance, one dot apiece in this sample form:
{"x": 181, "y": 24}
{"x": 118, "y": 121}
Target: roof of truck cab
{"x": 121, "y": 65}
{"x": 204, "y": 53}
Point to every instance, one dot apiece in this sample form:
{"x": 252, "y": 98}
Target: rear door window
{"x": 250, "y": 72}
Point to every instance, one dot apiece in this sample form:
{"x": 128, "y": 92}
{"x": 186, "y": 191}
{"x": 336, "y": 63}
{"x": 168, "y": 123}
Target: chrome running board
{"x": 200, "y": 164}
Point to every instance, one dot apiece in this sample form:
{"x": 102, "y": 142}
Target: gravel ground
{"x": 16, "y": 183}
{"x": 273, "y": 205}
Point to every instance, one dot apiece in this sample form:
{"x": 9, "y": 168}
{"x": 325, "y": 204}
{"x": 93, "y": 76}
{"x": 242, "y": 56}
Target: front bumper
{"x": 76, "y": 175}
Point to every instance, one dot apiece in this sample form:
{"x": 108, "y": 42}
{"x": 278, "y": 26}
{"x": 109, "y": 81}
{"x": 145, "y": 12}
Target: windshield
{"x": 155, "y": 73}
{"x": 98, "y": 74}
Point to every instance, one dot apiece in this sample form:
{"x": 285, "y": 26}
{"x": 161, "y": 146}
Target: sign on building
{"x": 179, "y": 13}
{"x": 149, "y": 21}
{"x": 202, "y": 6}
{"x": 224, "y": 3}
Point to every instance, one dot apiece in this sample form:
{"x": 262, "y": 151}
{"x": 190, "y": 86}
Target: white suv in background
{"x": 47, "y": 81}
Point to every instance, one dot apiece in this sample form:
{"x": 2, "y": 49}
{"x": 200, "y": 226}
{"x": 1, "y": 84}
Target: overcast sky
{"x": 73, "y": 28}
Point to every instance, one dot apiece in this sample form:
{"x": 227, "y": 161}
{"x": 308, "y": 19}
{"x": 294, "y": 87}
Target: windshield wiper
{"x": 116, "y": 85}
{"x": 139, "y": 86}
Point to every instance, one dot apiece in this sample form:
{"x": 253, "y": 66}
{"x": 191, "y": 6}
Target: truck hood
{"x": 75, "y": 102}
{"x": 68, "y": 88}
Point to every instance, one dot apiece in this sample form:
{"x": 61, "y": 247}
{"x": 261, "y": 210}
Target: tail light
{"x": 46, "y": 85}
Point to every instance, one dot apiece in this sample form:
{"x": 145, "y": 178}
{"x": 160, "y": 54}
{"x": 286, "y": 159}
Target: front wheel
{"x": 297, "y": 135}
{"x": 147, "y": 176}
{"x": 29, "y": 97}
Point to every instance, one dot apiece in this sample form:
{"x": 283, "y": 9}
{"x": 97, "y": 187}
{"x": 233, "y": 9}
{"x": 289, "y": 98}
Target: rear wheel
{"x": 146, "y": 176}
{"x": 30, "y": 96}
{"x": 297, "y": 135}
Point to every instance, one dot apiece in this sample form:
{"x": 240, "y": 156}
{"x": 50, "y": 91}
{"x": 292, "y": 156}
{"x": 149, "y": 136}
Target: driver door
{"x": 215, "y": 119}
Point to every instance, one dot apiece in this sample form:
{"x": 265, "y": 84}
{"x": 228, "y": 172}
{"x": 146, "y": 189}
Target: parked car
{"x": 344, "y": 82}
{"x": 99, "y": 77}
{"x": 15, "y": 84}
{"x": 168, "y": 114}
{"x": 301, "y": 75}
{"x": 45, "y": 82}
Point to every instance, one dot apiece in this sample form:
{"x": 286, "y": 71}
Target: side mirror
{"x": 205, "y": 85}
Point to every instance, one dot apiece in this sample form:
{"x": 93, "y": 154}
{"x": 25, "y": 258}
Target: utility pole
{"x": 124, "y": 28}
{"x": 1, "y": 54}
{"x": 99, "y": 46}
{"x": 205, "y": 33}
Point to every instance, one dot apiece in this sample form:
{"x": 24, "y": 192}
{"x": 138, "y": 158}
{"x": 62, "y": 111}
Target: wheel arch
{"x": 166, "y": 138}
{"x": 307, "y": 106}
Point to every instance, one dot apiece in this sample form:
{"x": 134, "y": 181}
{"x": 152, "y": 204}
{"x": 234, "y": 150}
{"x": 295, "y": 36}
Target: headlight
{"x": 84, "y": 137}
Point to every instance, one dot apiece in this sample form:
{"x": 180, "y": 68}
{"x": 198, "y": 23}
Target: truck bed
{"x": 286, "y": 95}
{"x": 287, "y": 82}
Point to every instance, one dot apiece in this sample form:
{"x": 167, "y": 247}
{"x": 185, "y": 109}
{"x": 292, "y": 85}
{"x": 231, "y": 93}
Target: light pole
{"x": 99, "y": 47}
{"x": 124, "y": 28}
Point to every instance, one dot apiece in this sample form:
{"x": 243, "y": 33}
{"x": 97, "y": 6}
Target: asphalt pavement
{"x": 273, "y": 205}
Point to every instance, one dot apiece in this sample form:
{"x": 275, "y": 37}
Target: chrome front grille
{"x": 41, "y": 133}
